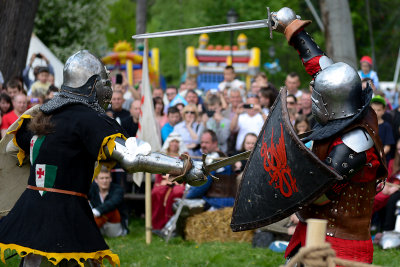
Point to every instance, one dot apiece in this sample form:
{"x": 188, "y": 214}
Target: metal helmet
{"x": 337, "y": 93}
{"x": 86, "y": 77}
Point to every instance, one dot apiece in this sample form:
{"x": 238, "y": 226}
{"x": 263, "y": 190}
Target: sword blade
{"x": 254, "y": 24}
{"x": 219, "y": 164}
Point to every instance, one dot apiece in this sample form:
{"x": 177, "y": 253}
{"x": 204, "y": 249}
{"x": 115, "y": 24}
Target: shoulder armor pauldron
{"x": 358, "y": 140}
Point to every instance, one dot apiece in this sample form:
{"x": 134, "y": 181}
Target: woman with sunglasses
{"x": 190, "y": 129}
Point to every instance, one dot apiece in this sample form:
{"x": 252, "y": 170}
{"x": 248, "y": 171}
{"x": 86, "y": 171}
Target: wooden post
{"x": 129, "y": 71}
{"x": 148, "y": 207}
{"x": 316, "y": 232}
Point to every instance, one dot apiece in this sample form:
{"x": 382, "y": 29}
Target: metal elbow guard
{"x": 346, "y": 161}
{"x": 121, "y": 154}
{"x": 306, "y": 46}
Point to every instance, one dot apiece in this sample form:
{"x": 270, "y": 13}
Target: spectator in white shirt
{"x": 292, "y": 84}
{"x": 249, "y": 118}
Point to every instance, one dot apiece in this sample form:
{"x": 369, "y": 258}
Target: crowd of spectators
{"x": 21, "y": 93}
{"x": 222, "y": 122}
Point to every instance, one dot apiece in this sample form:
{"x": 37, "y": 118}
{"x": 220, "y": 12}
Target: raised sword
{"x": 245, "y": 25}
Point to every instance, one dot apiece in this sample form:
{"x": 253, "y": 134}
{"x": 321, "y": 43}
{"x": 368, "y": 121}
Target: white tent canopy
{"x": 36, "y": 46}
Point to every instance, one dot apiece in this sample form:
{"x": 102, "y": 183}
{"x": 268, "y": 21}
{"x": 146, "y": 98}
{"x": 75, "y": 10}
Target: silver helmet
{"x": 337, "y": 93}
{"x": 85, "y": 76}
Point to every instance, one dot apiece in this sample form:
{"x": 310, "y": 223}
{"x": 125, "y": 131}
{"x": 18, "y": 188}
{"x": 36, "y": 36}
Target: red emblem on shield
{"x": 275, "y": 163}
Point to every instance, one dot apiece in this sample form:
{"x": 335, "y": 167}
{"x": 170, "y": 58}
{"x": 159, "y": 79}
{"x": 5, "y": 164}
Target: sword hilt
{"x": 206, "y": 172}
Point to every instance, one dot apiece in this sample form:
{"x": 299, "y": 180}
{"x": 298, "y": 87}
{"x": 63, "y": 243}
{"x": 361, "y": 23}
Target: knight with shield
{"x": 337, "y": 179}
{"x": 345, "y": 139}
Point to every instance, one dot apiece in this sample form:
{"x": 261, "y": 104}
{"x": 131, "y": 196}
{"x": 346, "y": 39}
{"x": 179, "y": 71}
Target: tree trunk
{"x": 339, "y": 34}
{"x": 141, "y": 11}
{"x": 16, "y": 25}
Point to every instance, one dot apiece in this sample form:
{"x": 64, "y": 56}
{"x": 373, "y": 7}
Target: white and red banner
{"x": 149, "y": 130}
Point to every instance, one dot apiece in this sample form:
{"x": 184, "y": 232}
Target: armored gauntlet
{"x": 135, "y": 155}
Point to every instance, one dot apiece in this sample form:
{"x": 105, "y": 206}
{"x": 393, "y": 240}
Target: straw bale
{"x": 213, "y": 226}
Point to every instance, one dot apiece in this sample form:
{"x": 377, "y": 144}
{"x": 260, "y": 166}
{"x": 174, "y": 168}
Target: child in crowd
{"x": 366, "y": 70}
{"x": 378, "y": 104}
{"x": 41, "y": 86}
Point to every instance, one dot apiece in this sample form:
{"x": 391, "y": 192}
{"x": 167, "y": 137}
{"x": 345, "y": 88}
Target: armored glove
{"x": 194, "y": 176}
{"x": 135, "y": 155}
{"x": 287, "y": 22}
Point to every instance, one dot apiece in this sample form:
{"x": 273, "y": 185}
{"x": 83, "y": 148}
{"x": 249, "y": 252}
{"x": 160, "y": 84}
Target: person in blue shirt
{"x": 174, "y": 117}
{"x": 216, "y": 194}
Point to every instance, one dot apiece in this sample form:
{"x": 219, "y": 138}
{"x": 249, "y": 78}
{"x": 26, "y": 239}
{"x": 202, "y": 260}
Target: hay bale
{"x": 212, "y": 226}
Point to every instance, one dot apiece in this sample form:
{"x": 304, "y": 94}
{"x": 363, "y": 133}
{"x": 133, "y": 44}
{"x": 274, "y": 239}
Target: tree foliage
{"x": 167, "y": 15}
{"x": 122, "y": 24}
{"x": 68, "y": 26}
{"x": 386, "y": 30}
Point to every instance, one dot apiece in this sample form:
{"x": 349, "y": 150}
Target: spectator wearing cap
{"x": 378, "y": 104}
{"x": 366, "y": 70}
{"x": 41, "y": 86}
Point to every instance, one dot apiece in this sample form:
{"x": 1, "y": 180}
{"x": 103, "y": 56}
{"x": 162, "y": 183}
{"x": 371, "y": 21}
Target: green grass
{"x": 133, "y": 251}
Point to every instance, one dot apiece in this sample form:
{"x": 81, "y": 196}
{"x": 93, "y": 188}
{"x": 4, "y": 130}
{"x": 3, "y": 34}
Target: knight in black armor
{"x": 345, "y": 138}
{"x": 66, "y": 141}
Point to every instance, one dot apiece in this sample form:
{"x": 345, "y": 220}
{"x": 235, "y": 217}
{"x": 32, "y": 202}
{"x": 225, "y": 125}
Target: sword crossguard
{"x": 206, "y": 172}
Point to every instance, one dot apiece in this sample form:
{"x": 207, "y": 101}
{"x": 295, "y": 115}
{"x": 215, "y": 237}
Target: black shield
{"x": 281, "y": 176}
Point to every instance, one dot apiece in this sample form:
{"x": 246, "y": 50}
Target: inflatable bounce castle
{"x": 123, "y": 58}
{"x": 207, "y": 62}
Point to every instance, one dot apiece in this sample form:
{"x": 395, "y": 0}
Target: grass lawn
{"x": 133, "y": 251}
